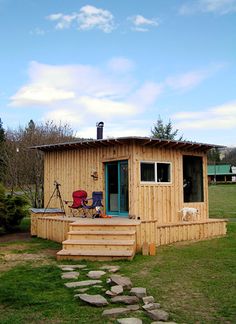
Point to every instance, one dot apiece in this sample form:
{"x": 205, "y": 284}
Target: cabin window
{"x": 192, "y": 179}
{"x": 148, "y": 172}
{"x": 155, "y": 172}
{"x": 163, "y": 172}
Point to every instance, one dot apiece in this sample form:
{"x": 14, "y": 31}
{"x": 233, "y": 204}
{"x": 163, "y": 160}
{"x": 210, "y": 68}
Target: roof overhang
{"x": 143, "y": 141}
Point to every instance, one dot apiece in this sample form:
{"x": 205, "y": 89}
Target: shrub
{"x": 12, "y": 210}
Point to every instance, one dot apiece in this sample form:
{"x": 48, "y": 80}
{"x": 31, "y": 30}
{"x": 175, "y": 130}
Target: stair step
{"x": 95, "y": 253}
{"x": 107, "y": 222}
{"x": 99, "y": 242}
{"x": 98, "y": 227}
{"x": 98, "y": 255}
{"x": 108, "y": 232}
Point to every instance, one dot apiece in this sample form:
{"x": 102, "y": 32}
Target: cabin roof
{"x": 220, "y": 169}
{"x": 143, "y": 141}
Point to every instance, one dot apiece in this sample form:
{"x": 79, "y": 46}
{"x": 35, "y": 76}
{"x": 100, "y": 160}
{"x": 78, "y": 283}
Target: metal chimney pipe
{"x": 100, "y": 126}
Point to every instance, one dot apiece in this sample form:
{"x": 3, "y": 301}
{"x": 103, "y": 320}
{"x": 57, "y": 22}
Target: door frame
{"x": 115, "y": 213}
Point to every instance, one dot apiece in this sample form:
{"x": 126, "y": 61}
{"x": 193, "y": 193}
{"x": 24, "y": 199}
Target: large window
{"x": 192, "y": 178}
{"x": 156, "y": 172}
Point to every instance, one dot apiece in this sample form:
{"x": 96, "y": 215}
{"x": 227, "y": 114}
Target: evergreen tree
{"x": 2, "y": 132}
{"x": 165, "y": 131}
{"x": 12, "y": 210}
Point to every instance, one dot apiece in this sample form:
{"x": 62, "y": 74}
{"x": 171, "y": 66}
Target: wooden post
{"x": 152, "y": 249}
{"x": 145, "y": 248}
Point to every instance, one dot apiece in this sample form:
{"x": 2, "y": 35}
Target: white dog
{"x": 189, "y": 213}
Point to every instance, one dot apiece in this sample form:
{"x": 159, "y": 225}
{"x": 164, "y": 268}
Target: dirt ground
{"x": 13, "y": 254}
{"x": 5, "y": 238}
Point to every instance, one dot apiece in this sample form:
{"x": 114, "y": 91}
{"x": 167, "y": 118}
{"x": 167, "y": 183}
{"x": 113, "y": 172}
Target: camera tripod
{"x": 57, "y": 194}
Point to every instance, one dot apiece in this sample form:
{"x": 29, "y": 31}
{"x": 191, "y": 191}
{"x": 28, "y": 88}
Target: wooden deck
{"x": 117, "y": 238}
{"x": 164, "y": 234}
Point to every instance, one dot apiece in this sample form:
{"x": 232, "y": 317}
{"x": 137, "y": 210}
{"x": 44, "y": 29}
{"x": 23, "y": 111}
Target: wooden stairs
{"x": 100, "y": 239}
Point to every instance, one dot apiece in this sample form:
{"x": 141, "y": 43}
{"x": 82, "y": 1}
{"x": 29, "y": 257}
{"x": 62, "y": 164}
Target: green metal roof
{"x": 219, "y": 169}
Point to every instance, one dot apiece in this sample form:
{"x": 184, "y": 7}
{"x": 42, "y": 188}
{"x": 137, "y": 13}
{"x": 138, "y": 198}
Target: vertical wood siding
{"x": 73, "y": 170}
{"x": 150, "y": 202}
{"x": 162, "y": 202}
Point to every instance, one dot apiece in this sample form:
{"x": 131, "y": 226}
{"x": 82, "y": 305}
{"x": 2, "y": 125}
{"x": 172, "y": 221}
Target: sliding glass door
{"x": 117, "y": 189}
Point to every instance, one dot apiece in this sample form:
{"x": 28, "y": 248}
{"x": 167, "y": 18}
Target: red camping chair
{"x": 79, "y": 201}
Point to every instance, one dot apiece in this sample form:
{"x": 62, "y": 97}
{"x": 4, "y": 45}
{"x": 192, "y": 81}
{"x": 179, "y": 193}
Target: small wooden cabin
{"x": 220, "y": 173}
{"x": 145, "y": 184}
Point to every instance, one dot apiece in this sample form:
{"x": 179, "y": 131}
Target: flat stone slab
{"x": 117, "y": 290}
{"x": 70, "y": 275}
{"x": 133, "y": 307}
{"x": 151, "y": 306}
{"x": 81, "y": 290}
{"x": 96, "y": 274}
{"x": 67, "y": 269}
{"x": 161, "y": 322}
{"x": 110, "y": 268}
{"x": 83, "y": 283}
{"x": 96, "y": 300}
{"x": 128, "y": 300}
{"x": 109, "y": 293}
{"x": 129, "y": 320}
{"x": 98, "y": 286}
{"x": 115, "y": 311}
{"x": 140, "y": 292}
{"x": 158, "y": 315}
{"x": 125, "y": 282}
{"x": 148, "y": 299}
{"x": 71, "y": 266}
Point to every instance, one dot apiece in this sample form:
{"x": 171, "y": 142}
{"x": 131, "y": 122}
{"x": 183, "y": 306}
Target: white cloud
{"x": 66, "y": 115}
{"x": 83, "y": 94}
{"x": 191, "y": 79}
{"x": 89, "y": 17}
{"x": 106, "y": 107}
{"x": 142, "y": 24}
{"x": 92, "y": 17}
{"x": 147, "y": 94}
{"x": 39, "y": 94}
{"x": 139, "y": 20}
{"x": 221, "y": 7}
{"x": 220, "y": 117}
{"x": 120, "y": 65}
{"x": 187, "y": 80}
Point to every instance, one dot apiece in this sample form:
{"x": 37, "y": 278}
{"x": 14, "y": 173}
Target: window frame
{"x": 156, "y": 182}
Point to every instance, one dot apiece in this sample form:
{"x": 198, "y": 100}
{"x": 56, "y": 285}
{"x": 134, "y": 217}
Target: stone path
{"x": 121, "y": 291}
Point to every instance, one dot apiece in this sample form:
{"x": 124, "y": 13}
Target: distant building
{"x": 234, "y": 171}
{"x": 221, "y": 173}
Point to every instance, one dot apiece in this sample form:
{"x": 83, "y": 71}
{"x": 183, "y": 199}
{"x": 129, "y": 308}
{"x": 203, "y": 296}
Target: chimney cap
{"x": 100, "y": 124}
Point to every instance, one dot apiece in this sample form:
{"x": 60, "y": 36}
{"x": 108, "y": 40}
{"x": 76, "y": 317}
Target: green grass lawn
{"x": 195, "y": 282}
{"x": 222, "y": 201}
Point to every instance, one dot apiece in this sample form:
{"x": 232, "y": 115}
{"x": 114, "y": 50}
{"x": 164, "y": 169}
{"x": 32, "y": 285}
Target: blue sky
{"x": 123, "y": 62}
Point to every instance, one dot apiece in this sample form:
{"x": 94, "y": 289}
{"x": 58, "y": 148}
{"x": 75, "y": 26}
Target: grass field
{"x": 194, "y": 282}
{"x": 222, "y": 201}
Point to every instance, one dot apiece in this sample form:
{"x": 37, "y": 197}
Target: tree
{"x": 2, "y": 151}
{"x": 213, "y": 156}
{"x": 12, "y": 210}
{"x": 25, "y": 165}
{"x": 230, "y": 156}
{"x": 165, "y": 131}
